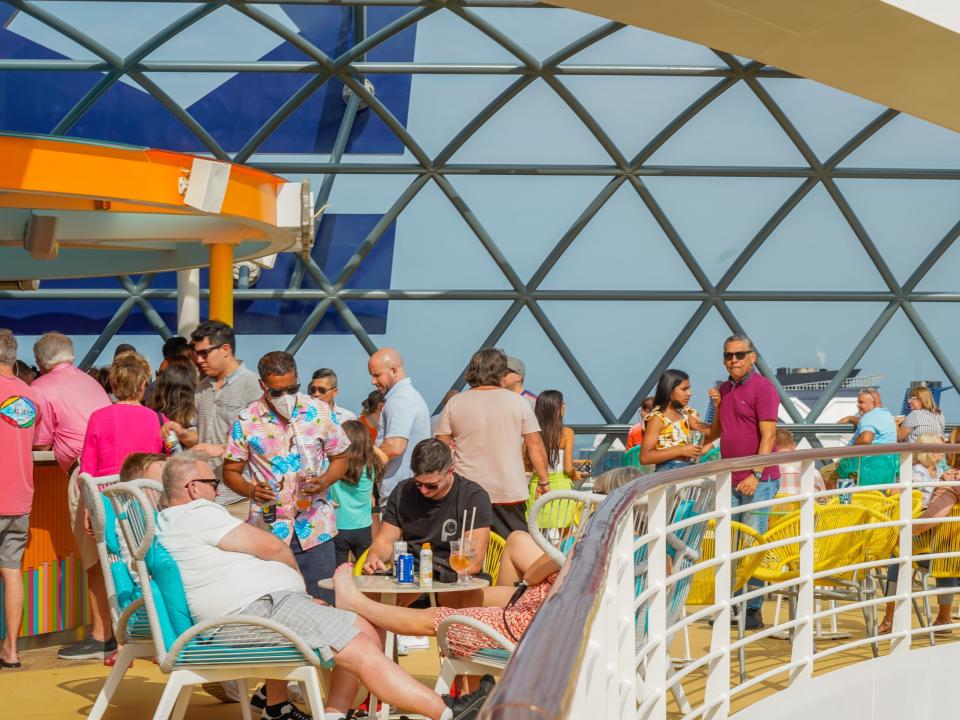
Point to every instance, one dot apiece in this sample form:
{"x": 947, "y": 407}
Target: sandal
{"x": 884, "y": 627}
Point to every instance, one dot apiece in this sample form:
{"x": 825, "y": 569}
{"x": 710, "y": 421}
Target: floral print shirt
{"x": 674, "y": 433}
{"x": 275, "y": 450}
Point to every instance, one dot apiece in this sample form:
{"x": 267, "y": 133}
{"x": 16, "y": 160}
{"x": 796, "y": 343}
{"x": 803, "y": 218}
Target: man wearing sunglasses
{"x": 430, "y": 507}
{"x": 324, "y": 386}
{"x": 746, "y": 408}
{"x": 282, "y": 441}
{"x": 227, "y": 387}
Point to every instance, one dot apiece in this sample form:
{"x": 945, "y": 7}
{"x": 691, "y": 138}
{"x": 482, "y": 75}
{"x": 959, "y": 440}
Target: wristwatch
{"x": 758, "y": 475}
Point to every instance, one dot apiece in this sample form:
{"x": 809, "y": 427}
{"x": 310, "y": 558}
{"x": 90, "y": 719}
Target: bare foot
{"x": 344, "y": 587}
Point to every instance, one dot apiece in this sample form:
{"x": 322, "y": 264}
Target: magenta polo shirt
{"x": 742, "y": 406}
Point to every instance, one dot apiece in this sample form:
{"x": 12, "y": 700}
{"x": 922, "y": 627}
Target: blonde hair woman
{"x": 924, "y": 418}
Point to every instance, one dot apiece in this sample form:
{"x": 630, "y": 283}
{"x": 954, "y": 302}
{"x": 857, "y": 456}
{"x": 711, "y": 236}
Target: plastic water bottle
{"x": 172, "y": 443}
{"x": 426, "y": 566}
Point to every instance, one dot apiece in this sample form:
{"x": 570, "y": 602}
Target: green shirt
{"x": 353, "y": 512}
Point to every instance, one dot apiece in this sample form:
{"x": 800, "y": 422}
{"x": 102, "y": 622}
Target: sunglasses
{"x": 214, "y": 482}
{"x": 280, "y": 392}
{"x": 426, "y": 486}
{"x": 202, "y": 354}
{"x": 318, "y": 390}
{"x": 740, "y": 355}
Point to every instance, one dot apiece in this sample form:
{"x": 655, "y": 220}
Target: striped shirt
{"x": 923, "y": 422}
{"x": 216, "y": 411}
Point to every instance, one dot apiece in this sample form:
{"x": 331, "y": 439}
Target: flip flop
{"x": 12, "y": 665}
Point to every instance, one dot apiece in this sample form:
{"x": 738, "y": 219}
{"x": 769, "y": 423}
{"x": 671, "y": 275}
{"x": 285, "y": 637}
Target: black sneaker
{"x": 89, "y": 649}
{"x": 259, "y": 700}
{"x": 284, "y": 711}
{"x": 467, "y": 707}
{"x": 734, "y": 614}
{"x": 754, "y": 619}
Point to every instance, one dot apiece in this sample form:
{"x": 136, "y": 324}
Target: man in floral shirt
{"x": 286, "y": 438}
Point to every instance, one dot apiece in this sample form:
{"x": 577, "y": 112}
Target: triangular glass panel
{"x": 908, "y": 142}
{"x": 435, "y": 359}
{"x": 546, "y": 369}
{"x": 812, "y": 249}
{"x": 213, "y": 38}
{"x": 717, "y": 217}
{"x": 622, "y": 247}
{"x": 342, "y": 352}
{"x": 613, "y": 362}
{"x": 541, "y": 34}
{"x": 735, "y": 129}
{"x": 448, "y": 256}
{"x": 905, "y": 218}
{"x": 130, "y": 24}
{"x": 901, "y": 356}
{"x": 701, "y": 357}
{"x": 805, "y": 335}
{"x": 536, "y": 126}
{"x": 434, "y": 120}
{"x": 135, "y": 117}
{"x": 942, "y": 277}
{"x": 636, "y": 46}
{"x": 824, "y": 116}
{"x": 26, "y": 38}
{"x": 526, "y": 215}
{"x": 445, "y": 37}
{"x": 633, "y": 109}
{"x": 936, "y": 316}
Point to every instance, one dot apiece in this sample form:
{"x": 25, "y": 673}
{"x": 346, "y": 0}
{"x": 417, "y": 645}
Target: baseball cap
{"x": 516, "y": 365}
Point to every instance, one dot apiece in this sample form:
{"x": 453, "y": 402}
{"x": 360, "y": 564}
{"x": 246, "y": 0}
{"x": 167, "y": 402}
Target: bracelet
{"x": 544, "y": 484}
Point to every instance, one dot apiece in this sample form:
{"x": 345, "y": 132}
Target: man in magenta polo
{"x": 67, "y": 397}
{"x": 746, "y": 410}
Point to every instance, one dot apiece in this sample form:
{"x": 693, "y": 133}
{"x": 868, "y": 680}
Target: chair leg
{"x": 171, "y": 694}
{"x": 315, "y": 698}
{"x": 446, "y": 677}
{"x": 742, "y": 633}
{"x": 183, "y": 700}
{"x": 244, "y": 691}
{"x": 868, "y": 621}
{"x": 678, "y": 693}
{"x": 120, "y": 667}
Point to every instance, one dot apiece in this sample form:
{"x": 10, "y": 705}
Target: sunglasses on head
{"x": 280, "y": 392}
{"x": 202, "y": 354}
{"x": 739, "y": 355}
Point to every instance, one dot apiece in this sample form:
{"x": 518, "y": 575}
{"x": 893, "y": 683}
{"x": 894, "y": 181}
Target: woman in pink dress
{"x": 126, "y": 426}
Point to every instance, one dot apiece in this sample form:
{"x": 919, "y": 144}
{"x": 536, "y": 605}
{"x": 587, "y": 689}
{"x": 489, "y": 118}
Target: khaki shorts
{"x": 239, "y": 510}
{"x": 13, "y": 540}
{"x": 86, "y": 545}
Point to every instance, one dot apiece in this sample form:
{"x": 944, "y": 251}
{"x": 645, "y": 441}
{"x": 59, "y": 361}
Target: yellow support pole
{"x": 221, "y": 282}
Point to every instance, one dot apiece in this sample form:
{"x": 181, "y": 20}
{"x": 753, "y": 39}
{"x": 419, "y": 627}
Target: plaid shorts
{"x": 322, "y": 627}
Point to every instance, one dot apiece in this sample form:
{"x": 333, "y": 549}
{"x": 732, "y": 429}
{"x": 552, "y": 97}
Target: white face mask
{"x": 285, "y": 404}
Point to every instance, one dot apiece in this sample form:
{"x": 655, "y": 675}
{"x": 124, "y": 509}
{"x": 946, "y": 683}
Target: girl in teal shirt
{"x": 352, "y": 495}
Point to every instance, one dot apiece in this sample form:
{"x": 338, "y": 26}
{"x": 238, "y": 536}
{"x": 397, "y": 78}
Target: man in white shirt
{"x": 228, "y": 567}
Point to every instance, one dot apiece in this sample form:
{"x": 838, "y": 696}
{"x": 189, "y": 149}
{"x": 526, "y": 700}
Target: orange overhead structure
{"x": 901, "y": 53}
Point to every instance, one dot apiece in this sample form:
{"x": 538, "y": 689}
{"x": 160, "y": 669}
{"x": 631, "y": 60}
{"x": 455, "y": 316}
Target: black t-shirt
{"x": 437, "y": 521}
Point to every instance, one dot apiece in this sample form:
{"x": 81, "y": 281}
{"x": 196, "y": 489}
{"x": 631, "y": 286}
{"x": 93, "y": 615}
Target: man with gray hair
{"x": 19, "y": 413}
{"x": 746, "y": 408}
{"x": 231, "y": 567}
{"x": 67, "y": 397}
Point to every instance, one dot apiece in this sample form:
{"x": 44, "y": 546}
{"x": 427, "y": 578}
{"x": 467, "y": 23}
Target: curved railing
{"x": 623, "y": 589}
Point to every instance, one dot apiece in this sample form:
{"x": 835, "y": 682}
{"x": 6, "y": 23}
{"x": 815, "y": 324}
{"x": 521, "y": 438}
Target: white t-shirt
{"x": 218, "y": 582}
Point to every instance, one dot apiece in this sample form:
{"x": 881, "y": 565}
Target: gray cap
{"x": 516, "y": 365}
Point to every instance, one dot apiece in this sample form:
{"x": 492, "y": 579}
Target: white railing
{"x": 624, "y": 589}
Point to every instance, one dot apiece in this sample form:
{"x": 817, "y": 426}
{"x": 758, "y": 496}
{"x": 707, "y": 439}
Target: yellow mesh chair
{"x": 946, "y": 539}
{"x": 878, "y": 502}
{"x": 742, "y": 537}
{"x": 491, "y": 561}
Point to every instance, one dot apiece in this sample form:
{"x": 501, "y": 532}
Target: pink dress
{"x": 466, "y": 641}
{"x": 116, "y": 431}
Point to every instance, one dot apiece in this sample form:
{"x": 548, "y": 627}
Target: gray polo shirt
{"x": 405, "y": 415}
{"x": 216, "y": 411}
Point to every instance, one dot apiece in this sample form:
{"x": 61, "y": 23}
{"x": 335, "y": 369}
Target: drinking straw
{"x": 473, "y": 517}
{"x": 463, "y": 527}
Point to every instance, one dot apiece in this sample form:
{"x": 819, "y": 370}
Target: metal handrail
{"x": 525, "y": 691}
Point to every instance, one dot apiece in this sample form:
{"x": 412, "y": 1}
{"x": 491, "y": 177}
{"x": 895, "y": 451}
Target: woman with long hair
{"x": 924, "y": 418}
{"x": 558, "y": 442}
{"x": 174, "y": 393}
{"x": 370, "y": 417}
{"x": 668, "y": 434}
{"x": 352, "y": 495}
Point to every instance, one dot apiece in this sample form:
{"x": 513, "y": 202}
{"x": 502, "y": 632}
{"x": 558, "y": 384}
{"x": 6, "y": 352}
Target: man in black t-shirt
{"x": 429, "y": 507}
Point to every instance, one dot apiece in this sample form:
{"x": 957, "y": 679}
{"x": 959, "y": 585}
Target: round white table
{"x": 388, "y": 589}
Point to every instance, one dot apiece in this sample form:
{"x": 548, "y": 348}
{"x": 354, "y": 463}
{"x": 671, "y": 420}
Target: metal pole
{"x": 221, "y": 282}
{"x": 188, "y": 301}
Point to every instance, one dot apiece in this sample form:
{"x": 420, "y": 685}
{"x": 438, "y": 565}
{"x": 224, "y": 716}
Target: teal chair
{"x": 236, "y": 647}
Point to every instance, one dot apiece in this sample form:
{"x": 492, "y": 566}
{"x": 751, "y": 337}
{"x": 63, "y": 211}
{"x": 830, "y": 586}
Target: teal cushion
{"x": 166, "y": 577}
{"x": 110, "y": 536}
{"x": 163, "y": 617}
{"x": 127, "y": 590}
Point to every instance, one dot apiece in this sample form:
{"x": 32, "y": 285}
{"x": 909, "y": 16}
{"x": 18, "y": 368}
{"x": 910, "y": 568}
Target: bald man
{"x": 405, "y": 419}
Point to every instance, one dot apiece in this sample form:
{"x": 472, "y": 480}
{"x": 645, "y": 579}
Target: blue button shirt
{"x": 405, "y": 415}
